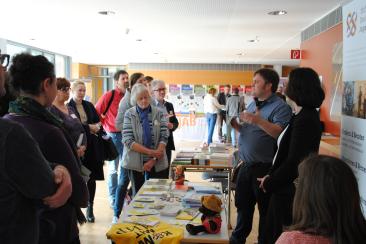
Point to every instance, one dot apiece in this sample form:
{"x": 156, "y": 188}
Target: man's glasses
{"x": 4, "y": 60}
{"x": 65, "y": 89}
{"x": 160, "y": 90}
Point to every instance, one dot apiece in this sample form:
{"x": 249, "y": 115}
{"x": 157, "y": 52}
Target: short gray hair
{"x": 138, "y": 89}
{"x": 156, "y": 83}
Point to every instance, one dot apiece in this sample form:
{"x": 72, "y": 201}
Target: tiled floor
{"x": 95, "y": 233}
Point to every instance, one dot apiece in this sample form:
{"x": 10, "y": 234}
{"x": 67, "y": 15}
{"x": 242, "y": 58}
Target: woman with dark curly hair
{"x": 34, "y": 78}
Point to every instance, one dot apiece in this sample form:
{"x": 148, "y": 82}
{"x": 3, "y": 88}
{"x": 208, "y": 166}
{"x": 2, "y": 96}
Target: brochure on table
{"x": 172, "y": 205}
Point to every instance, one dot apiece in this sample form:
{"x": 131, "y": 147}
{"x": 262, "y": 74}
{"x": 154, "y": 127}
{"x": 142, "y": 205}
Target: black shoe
{"x": 89, "y": 213}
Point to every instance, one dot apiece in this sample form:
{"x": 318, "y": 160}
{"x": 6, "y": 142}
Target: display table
{"x": 164, "y": 202}
{"x": 223, "y": 164}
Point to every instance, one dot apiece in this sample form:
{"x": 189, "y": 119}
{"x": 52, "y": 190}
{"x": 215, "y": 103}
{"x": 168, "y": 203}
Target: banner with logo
{"x": 353, "y": 132}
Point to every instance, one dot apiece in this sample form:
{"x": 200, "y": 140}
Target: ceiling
{"x": 173, "y": 31}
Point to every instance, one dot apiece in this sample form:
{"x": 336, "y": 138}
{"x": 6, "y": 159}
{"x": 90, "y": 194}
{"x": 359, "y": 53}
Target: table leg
{"x": 229, "y": 199}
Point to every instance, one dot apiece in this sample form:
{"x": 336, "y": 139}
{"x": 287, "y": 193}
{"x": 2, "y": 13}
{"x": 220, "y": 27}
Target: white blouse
{"x": 211, "y": 105}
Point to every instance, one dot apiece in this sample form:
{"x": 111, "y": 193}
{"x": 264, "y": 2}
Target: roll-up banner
{"x": 353, "y": 146}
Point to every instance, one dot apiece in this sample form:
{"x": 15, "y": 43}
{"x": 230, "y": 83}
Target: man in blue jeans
{"x": 264, "y": 120}
{"x": 107, "y": 107}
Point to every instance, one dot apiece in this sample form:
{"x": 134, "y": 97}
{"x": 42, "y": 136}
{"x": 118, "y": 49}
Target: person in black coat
{"x": 299, "y": 139}
{"x": 159, "y": 92}
{"x": 93, "y": 158}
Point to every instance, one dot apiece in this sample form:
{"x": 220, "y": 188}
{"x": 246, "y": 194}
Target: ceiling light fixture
{"x": 278, "y": 12}
{"x": 254, "y": 40}
{"x": 108, "y": 12}
{"x": 156, "y": 53}
{"x": 239, "y": 54}
{"x": 139, "y": 40}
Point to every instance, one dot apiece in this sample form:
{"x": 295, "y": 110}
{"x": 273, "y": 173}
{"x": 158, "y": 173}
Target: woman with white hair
{"x": 159, "y": 92}
{"x": 145, "y": 135}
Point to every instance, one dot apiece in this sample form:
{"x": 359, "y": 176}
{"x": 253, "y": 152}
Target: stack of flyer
{"x": 217, "y": 148}
{"x": 192, "y": 199}
{"x": 207, "y": 189}
{"x": 171, "y": 210}
{"x": 149, "y": 220}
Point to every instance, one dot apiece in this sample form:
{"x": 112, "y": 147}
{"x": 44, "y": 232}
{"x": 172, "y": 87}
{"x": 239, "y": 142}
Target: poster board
{"x": 353, "y": 130}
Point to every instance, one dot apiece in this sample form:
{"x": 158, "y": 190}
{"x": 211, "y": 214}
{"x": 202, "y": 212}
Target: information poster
{"x": 197, "y": 103}
{"x": 241, "y": 89}
{"x": 174, "y": 90}
{"x": 187, "y": 90}
{"x": 353, "y": 132}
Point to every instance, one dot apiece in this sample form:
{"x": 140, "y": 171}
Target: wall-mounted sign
{"x": 295, "y": 54}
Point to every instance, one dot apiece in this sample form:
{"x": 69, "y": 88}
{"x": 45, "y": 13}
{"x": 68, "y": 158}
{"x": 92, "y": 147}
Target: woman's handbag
{"x": 110, "y": 151}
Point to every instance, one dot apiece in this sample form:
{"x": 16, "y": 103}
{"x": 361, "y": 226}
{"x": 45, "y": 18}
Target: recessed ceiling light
{"x": 278, "y": 12}
{"x": 108, "y": 12}
{"x": 254, "y": 40}
{"x": 139, "y": 40}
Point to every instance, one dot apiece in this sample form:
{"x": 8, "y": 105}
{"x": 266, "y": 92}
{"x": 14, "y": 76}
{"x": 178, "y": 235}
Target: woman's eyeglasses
{"x": 4, "y": 60}
{"x": 160, "y": 90}
{"x": 65, "y": 89}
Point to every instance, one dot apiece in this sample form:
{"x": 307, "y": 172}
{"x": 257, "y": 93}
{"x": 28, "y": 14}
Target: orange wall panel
{"x": 200, "y": 77}
{"x": 317, "y": 53}
{"x": 286, "y": 70}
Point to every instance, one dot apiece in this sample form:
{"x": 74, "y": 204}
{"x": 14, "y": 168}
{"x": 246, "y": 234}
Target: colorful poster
{"x": 174, "y": 90}
{"x": 221, "y": 88}
{"x": 353, "y": 130}
{"x": 187, "y": 90}
{"x": 199, "y": 90}
{"x": 210, "y": 86}
{"x": 240, "y": 87}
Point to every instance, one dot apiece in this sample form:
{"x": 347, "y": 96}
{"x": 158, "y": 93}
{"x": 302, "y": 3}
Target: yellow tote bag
{"x": 129, "y": 233}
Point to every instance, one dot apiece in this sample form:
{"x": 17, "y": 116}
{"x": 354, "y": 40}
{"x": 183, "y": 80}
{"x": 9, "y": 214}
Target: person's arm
{"x": 164, "y": 132}
{"x": 26, "y": 166}
{"x": 64, "y": 190}
{"x": 305, "y": 139}
{"x": 128, "y": 138}
{"x": 56, "y": 149}
{"x": 282, "y": 116}
{"x": 102, "y": 105}
{"x": 234, "y": 124}
{"x": 227, "y": 107}
{"x": 122, "y": 108}
{"x": 217, "y": 104}
{"x": 173, "y": 119}
{"x": 241, "y": 104}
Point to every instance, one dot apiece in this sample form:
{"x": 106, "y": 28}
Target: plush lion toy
{"x": 211, "y": 218}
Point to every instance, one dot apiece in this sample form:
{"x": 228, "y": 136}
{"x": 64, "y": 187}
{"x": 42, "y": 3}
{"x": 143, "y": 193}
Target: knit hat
{"x": 212, "y": 203}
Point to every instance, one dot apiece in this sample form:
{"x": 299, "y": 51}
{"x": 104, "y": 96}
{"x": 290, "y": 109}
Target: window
{"x": 62, "y": 63}
{"x": 60, "y": 69}
{"x": 12, "y": 50}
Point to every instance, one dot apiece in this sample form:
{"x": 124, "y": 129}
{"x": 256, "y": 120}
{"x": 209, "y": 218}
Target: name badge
{"x": 73, "y": 116}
